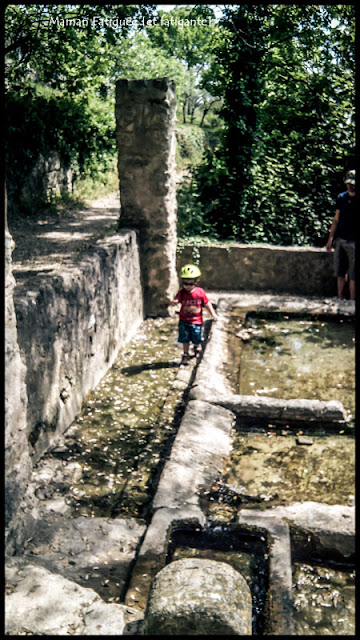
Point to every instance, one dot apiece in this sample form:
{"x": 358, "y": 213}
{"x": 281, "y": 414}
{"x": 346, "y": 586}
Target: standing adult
{"x": 342, "y": 236}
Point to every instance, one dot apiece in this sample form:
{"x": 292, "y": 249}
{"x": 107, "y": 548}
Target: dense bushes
{"x": 286, "y": 77}
{"x": 39, "y": 122}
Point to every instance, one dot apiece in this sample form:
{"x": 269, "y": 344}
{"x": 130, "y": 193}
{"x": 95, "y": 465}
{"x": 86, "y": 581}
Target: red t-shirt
{"x": 192, "y": 303}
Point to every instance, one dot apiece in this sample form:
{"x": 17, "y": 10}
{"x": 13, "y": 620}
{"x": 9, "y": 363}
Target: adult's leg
{"x": 351, "y": 256}
{"x": 341, "y": 267}
{"x": 340, "y": 287}
{"x": 352, "y": 289}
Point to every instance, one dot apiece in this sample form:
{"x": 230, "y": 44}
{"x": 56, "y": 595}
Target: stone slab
{"x": 198, "y": 454}
{"x": 331, "y": 526}
{"x": 154, "y": 549}
{"x": 301, "y": 270}
{"x": 93, "y": 552}
{"x": 279, "y": 620}
{"x": 40, "y": 602}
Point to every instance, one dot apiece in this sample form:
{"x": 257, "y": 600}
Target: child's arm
{"x": 175, "y": 300}
{"x": 211, "y": 310}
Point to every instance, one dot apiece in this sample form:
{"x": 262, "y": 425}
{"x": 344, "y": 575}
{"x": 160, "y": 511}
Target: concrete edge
{"x": 330, "y": 412}
{"x": 279, "y": 597}
{"x": 328, "y": 529}
{"x": 211, "y": 385}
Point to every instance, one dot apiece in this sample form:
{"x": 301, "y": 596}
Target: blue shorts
{"x": 189, "y": 332}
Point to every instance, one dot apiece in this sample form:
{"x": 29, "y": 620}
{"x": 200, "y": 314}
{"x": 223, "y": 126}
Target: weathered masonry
{"x": 145, "y": 116}
{"x": 249, "y": 267}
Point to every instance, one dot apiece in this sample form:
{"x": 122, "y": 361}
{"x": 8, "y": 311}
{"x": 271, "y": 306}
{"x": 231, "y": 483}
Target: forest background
{"x": 265, "y": 117}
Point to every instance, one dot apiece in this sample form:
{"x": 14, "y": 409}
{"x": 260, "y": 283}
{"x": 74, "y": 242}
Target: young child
{"x": 192, "y": 299}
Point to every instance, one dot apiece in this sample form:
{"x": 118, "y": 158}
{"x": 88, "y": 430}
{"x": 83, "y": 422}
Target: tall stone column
{"x": 145, "y": 117}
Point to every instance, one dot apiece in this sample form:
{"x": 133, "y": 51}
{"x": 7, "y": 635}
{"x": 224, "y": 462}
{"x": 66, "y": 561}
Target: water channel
{"x": 125, "y": 429}
{"x": 124, "y": 433}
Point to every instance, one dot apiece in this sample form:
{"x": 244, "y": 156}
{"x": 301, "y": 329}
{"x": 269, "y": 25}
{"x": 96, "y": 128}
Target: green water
{"x": 125, "y": 429}
{"x": 270, "y": 466}
{"x": 285, "y": 357}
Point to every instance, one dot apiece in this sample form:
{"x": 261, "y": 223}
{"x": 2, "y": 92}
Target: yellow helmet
{"x": 190, "y": 271}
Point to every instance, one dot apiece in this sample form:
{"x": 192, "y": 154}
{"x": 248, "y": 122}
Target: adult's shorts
{"x": 344, "y": 258}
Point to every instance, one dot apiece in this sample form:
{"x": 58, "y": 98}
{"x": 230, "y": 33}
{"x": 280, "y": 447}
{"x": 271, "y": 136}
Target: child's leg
{"x": 184, "y": 340}
{"x": 185, "y": 357}
{"x": 196, "y": 338}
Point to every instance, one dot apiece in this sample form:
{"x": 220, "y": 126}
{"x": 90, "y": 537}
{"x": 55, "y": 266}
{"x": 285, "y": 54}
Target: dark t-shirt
{"x": 346, "y": 225}
{"x": 192, "y": 303}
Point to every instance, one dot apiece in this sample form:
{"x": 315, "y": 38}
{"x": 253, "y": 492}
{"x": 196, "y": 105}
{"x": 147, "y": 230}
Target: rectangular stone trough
{"x": 198, "y": 457}
{"x": 212, "y": 377}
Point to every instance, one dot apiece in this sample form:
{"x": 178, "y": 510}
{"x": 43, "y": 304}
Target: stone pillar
{"x": 195, "y": 596}
{"x": 17, "y": 456}
{"x": 145, "y": 117}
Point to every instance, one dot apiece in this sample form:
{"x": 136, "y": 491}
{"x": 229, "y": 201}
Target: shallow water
{"x": 271, "y": 466}
{"x": 285, "y": 357}
{"x": 323, "y": 600}
{"x": 125, "y": 428}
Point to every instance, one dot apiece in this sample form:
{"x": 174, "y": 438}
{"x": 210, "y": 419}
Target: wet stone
{"x": 124, "y": 430}
{"x": 324, "y": 600}
{"x": 304, "y": 440}
{"x": 250, "y": 563}
{"x": 279, "y": 355}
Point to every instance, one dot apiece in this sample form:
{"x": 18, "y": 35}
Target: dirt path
{"x": 47, "y": 242}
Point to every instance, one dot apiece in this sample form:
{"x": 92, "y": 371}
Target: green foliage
{"x": 187, "y": 33}
{"x": 190, "y": 211}
{"x": 190, "y": 147}
{"x": 266, "y": 123}
{"x": 68, "y": 47}
{"x": 189, "y": 42}
{"x": 60, "y": 72}
{"x": 81, "y": 131}
{"x": 286, "y": 75}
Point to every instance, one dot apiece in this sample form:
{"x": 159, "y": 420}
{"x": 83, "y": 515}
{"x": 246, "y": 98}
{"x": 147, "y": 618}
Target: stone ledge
{"x": 331, "y": 527}
{"x": 300, "y": 270}
{"x": 78, "y": 306}
{"x": 315, "y": 411}
{"x": 198, "y": 453}
{"x": 279, "y": 597}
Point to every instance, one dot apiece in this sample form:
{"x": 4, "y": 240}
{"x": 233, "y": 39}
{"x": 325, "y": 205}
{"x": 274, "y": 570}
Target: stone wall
{"x": 17, "y": 453}
{"x": 49, "y": 177}
{"x": 70, "y": 328}
{"x": 145, "y": 116}
{"x": 295, "y": 270}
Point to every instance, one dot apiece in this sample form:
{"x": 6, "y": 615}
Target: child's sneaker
{"x": 198, "y": 351}
{"x": 185, "y": 359}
